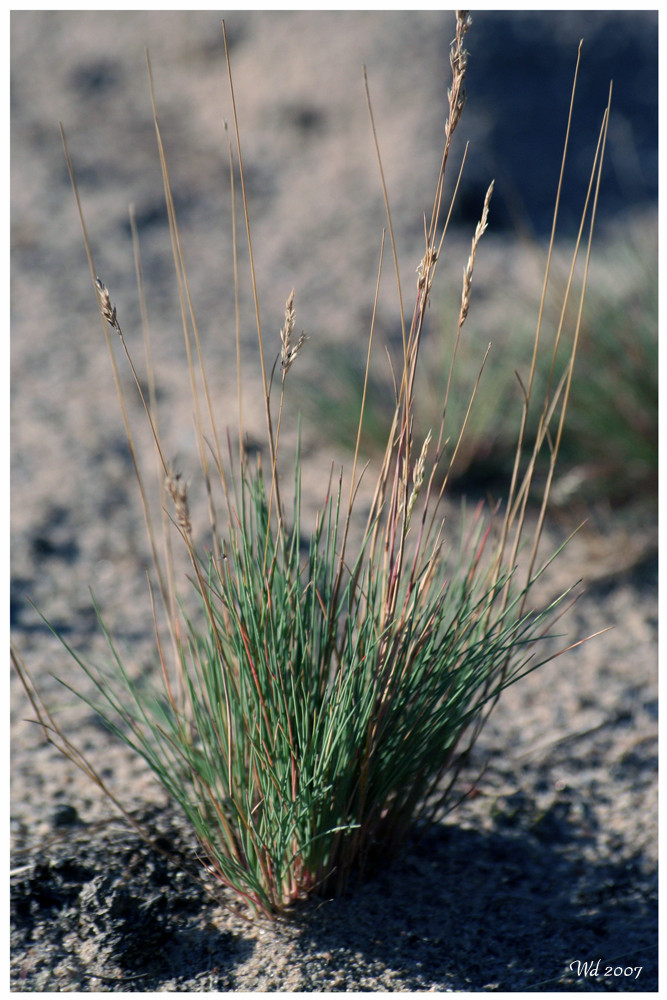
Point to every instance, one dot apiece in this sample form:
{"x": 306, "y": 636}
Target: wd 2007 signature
{"x": 590, "y": 969}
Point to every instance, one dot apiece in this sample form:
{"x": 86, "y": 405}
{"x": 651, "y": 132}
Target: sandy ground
{"x": 554, "y": 862}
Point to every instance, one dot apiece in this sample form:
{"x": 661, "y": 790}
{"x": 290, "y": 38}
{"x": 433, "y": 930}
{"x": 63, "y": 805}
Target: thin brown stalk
{"x": 237, "y": 313}
{"x": 561, "y": 395}
{"x": 186, "y": 297}
{"x": 533, "y": 365}
{"x": 288, "y": 355}
{"x": 362, "y": 411}
{"x": 260, "y": 341}
{"x": 466, "y": 290}
{"x": 172, "y": 615}
{"x": 116, "y": 376}
{"x": 388, "y": 212}
{"x": 599, "y": 159}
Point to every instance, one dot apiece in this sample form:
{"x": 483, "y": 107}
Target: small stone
{"x": 64, "y": 815}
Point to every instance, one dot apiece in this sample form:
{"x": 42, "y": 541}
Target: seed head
{"x": 418, "y": 477}
{"x": 424, "y": 271}
{"x": 288, "y": 352}
{"x": 107, "y": 310}
{"x": 468, "y": 269}
{"x": 458, "y": 58}
{"x": 178, "y": 492}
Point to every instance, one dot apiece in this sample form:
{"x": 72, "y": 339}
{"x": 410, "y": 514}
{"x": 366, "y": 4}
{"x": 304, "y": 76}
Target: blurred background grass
{"x": 610, "y": 446}
{"x": 515, "y": 115}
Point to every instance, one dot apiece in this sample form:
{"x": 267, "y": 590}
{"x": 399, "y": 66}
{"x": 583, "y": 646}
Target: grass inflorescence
{"x": 321, "y": 699}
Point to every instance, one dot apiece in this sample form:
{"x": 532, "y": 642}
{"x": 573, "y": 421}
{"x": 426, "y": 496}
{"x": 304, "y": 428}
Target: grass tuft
{"x": 321, "y": 698}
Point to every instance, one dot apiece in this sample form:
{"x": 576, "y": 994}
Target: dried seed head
{"x": 418, "y": 477}
{"x": 288, "y": 352}
{"x": 107, "y": 310}
{"x": 424, "y": 275}
{"x": 178, "y": 492}
{"x": 467, "y": 271}
{"x": 458, "y": 58}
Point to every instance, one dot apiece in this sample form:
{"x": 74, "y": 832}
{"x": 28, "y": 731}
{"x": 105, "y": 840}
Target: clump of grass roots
{"x": 319, "y": 703}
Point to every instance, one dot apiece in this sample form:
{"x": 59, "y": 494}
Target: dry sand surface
{"x": 554, "y": 861}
